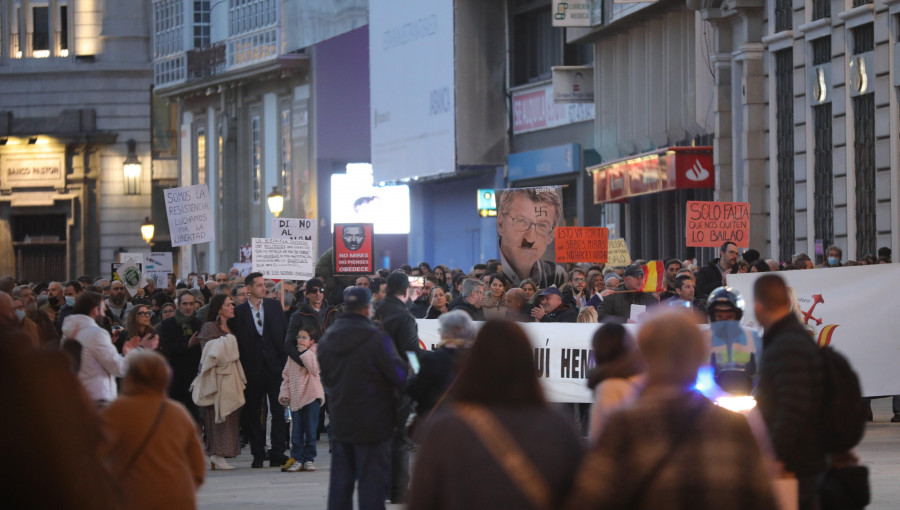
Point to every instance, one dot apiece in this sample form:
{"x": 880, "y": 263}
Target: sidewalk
{"x": 270, "y": 489}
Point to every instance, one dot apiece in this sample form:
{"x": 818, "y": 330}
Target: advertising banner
{"x": 573, "y": 84}
{"x": 581, "y": 244}
{"x": 189, "y": 211}
{"x": 354, "y": 249}
{"x": 709, "y": 224}
{"x": 526, "y": 221}
{"x": 618, "y": 253}
{"x": 283, "y": 259}
{"x": 850, "y": 309}
{"x": 534, "y": 109}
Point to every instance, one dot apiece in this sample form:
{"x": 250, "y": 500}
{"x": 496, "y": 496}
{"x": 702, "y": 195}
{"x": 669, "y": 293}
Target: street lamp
{"x": 132, "y": 170}
{"x": 147, "y": 229}
{"x": 276, "y": 201}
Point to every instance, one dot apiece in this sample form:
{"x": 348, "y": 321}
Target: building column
{"x": 753, "y": 157}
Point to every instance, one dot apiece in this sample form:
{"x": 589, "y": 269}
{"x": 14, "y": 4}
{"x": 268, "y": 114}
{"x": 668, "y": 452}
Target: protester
{"x": 439, "y": 367}
{"x": 713, "y": 274}
{"x": 789, "y": 392}
{"x": 681, "y": 451}
{"x": 438, "y": 305}
{"x": 617, "y": 377}
{"x": 152, "y": 444}
{"x": 117, "y": 304}
{"x": 222, "y": 381}
{"x": 618, "y": 307}
{"x": 302, "y": 392}
{"x": 684, "y": 289}
{"x": 529, "y": 287}
{"x": 518, "y": 309}
{"x": 499, "y": 417}
{"x": 361, "y": 372}
{"x": 418, "y": 306}
{"x": 260, "y": 329}
{"x": 378, "y": 287}
{"x": 471, "y": 299}
{"x": 182, "y": 348}
{"x": 440, "y": 273}
{"x": 552, "y": 308}
{"x": 494, "y": 305}
{"x": 587, "y": 315}
{"x": 137, "y": 325}
{"x": 575, "y": 293}
{"x": 313, "y": 314}
{"x": 604, "y": 286}
{"x": 239, "y": 294}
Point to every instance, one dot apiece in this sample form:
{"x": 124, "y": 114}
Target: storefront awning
{"x": 660, "y": 170}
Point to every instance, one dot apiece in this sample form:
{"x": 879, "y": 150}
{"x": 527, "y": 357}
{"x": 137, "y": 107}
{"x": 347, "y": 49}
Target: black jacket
{"x": 419, "y": 307}
{"x": 184, "y": 360}
{"x": 306, "y": 316}
{"x": 259, "y": 357}
{"x": 437, "y": 370}
{"x": 563, "y": 313}
{"x": 789, "y": 395}
{"x": 396, "y": 319}
{"x": 617, "y": 307}
{"x": 360, "y": 371}
{"x": 477, "y": 314}
{"x": 709, "y": 277}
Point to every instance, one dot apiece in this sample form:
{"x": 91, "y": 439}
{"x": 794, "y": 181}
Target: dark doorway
{"x": 40, "y": 244}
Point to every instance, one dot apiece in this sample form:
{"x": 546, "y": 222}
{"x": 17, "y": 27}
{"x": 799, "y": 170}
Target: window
{"x": 864, "y": 163}
{"x": 35, "y": 31}
{"x": 783, "y": 14}
{"x": 63, "y": 31}
{"x": 821, "y": 9}
{"x": 255, "y": 156}
{"x": 167, "y": 24}
{"x": 286, "y": 153}
{"x": 784, "y": 118}
{"x": 201, "y": 23}
{"x": 40, "y": 34}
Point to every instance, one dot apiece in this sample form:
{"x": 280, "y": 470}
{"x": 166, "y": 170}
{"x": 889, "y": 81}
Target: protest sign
{"x": 303, "y": 230}
{"x": 157, "y": 265}
{"x": 354, "y": 249}
{"x": 526, "y": 219}
{"x": 840, "y": 308}
{"x": 189, "y": 211}
{"x": 283, "y": 259}
{"x": 710, "y": 224}
{"x": 581, "y": 244}
{"x": 129, "y": 273}
{"x": 617, "y": 253}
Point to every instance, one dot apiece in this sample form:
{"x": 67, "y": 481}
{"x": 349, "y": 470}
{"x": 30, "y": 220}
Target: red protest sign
{"x": 354, "y": 249}
{"x": 710, "y": 224}
{"x": 581, "y": 244}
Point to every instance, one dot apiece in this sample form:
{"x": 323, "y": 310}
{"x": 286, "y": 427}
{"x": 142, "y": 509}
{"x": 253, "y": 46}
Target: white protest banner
{"x": 188, "y": 209}
{"x": 299, "y": 229}
{"x": 283, "y": 259}
{"x": 129, "y": 273}
{"x": 156, "y": 265}
{"x": 849, "y": 308}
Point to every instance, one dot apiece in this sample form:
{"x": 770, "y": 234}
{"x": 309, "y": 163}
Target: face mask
{"x": 20, "y": 314}
{"x": 70, "y": 300}
{"x": 833, "y": 261}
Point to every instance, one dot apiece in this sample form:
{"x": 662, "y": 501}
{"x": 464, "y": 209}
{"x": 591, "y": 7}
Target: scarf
{"x": 186, "y": 322}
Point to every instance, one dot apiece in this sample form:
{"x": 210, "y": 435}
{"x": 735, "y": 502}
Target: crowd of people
{"x": 212, "y": 359}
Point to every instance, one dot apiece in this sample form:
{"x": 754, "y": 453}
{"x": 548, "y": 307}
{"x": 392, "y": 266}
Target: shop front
{"x": 652, "y": 189}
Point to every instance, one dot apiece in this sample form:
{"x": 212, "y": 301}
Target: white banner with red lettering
{"x": 853, "y": 309}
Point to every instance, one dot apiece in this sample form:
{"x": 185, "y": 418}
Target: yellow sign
{"x": 618, "y": 253}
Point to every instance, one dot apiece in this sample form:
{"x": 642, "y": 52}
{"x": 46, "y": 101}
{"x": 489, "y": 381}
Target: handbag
{"x": 140, "y": 449}
{"x": 501, "y": 445}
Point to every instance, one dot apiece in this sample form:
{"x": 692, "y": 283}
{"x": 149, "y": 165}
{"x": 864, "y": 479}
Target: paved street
{"x": 270, "y": 489}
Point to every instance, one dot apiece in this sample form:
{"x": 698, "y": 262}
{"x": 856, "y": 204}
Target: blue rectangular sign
{"x": 562, "y": 159}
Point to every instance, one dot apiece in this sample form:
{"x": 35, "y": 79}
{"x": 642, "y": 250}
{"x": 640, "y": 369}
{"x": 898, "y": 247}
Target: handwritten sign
{"x": 283, "y": 259}
{"x": 294, "y": 228}
{"x": 710, "y": 224}
{"x": 190, "y": 215}
{"x": 581, "y": 244}
{"x": 617, "y": 253}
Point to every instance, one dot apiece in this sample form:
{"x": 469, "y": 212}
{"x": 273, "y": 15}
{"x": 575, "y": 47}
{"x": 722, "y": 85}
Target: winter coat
{"x": 562, "y": 313}
{"x": 300, "y": 384}
{"x": 100, "y": 363}
{"x": 396, "y": 319}
{"x": 618, "y": 306}
{"x": 221, "y": 380}
{"x": 307, "y": 317}
{"x": 477, "y": 314}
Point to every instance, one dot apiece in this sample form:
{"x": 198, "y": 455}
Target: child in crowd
{"x": 301, "y": 389}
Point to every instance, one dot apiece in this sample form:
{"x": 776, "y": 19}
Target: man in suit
{"x": 259, "y": 326}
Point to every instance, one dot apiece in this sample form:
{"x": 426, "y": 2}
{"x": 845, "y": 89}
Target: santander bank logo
{"x": 697, "y": 173}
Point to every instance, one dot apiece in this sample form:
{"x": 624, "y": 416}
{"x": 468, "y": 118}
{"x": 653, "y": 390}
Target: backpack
{"x": 843, "y": 410}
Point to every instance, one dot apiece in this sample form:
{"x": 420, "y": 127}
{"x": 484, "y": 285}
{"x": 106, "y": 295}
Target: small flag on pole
{"x": 654, "y": 277}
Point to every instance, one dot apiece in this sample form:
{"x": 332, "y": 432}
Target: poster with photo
{"x": 526, "y": 221}
{"x": 354, "y": 249}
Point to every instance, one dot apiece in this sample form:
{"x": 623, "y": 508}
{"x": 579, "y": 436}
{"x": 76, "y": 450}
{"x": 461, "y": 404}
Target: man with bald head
{"x": 517, "y": 307}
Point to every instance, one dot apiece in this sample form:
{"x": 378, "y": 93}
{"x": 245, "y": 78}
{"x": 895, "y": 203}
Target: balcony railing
{"x": 206, "y": 61}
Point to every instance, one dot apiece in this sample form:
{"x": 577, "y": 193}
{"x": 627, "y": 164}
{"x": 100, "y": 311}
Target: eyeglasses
{"x": 522, "y": 225}
{"x": 578, "y": 279}
{"x": 315, "y": 290}
{"x": 258, "y": 320}
{"x": 144, "y": 314}
{"x": 732, "y": 252}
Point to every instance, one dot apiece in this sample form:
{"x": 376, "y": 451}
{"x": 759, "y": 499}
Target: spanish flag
{"x": 654, "y": 277}
{"x": 826, "y": 334}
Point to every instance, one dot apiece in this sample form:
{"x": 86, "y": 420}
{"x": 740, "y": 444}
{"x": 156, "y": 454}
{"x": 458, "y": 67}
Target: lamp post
{"x": 131, "y": 169}
{"x": 147, "y": 229}
{"x": 275, "y": 201}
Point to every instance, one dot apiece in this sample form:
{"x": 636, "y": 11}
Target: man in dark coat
{"x": 260, "y": 329}
{"x": 617, "y": 307}
{"x": 471, "y": 299}
{"x": 179, "y": 345}
{"x": 712, "y": 275}
{"x": 396, "y": 319}
{"x": 361, "y": 371}
{"x": 553, "y": 309}
{"x": 789, "y": 393}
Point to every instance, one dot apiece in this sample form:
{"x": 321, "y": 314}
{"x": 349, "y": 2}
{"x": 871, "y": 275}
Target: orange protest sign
{"x": 581, "y": 244}
{"x": 710, "y": 224}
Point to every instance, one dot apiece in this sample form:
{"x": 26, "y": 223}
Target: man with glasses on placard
{"x": 260, "y": 328}
{"x": 712, "y": 275}
{"x": 179, "y": 344}
{"x": 526, "y": 220}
